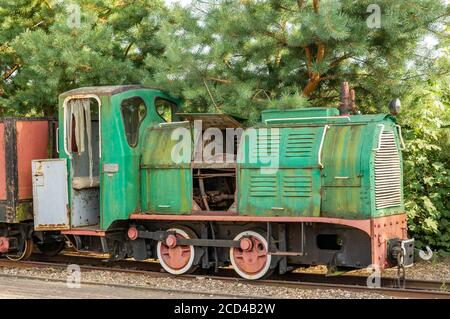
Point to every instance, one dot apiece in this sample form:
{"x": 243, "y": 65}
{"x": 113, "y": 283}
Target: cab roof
{"x": 107, "y": 90}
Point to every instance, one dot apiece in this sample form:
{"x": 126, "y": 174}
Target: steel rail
{"x": 142, "y": 288}
{"x": 413, "y": 288}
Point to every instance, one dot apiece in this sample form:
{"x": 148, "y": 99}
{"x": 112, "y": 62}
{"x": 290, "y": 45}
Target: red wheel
{"x": 251, "y": 260}
{"x": 176, "y": 259}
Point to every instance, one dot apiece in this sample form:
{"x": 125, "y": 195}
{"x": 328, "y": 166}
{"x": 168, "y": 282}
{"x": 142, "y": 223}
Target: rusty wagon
{"x": 22, "y": 140}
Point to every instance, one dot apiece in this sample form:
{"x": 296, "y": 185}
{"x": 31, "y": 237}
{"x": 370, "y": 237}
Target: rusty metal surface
{"x": 50, "y": 197}
{"x": 84, "y": 232}
{"x": 383, "y": 229}
{"x": 220, "y": 121}
{"x": 19, "y": 145}
{"x": 2, "y": 163}
{"x": 85, "y": 207}
{"x": 364, "y": 224}
{"x": 4, "y": 244}
{"x": 32, "y": 143}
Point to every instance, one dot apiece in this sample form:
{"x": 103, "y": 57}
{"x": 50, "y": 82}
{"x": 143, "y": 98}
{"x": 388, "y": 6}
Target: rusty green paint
{"x": 149, "y": 181}
{"x": 120, "y": 193}
{"x": 167, "y": 185}
{"x": 311, "y": 113}
{"x": 293, "y": 188}
{"x": 342, "y": 172}
{"x": 349, "y": 152}
{"x": 344, "y": 186}
{"x": 287, "y": 192}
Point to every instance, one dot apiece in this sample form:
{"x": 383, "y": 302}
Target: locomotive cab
{"x": 95, "y": 180}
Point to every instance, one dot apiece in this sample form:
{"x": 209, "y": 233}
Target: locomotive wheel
{"x": 51, "y": 249}
{"x": 251, "y": 260}
{"x": 24, "y": 252}
{"x": 177, "y": 259}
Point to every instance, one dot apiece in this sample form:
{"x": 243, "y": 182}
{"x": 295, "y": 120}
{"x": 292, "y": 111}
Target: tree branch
{"x": 10, "y": 72}
{"x": 279, "y": 5}
{"x": 308, "y": 61}
{"x": 316, "y": 6}
{"x": 314, "y": 77}
{"x": 320, "y": 52}
{"x": 339, "y": 60}
{"x": 279, "y": 40}
{"x": 127, "y": 49}
{"x": 210, "y": 95}
{"x": 224, "y": 81}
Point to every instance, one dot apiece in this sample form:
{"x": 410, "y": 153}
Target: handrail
{"x": 309, "y": 118}
{"x": 399, "y": 128}
{"x": 379, "y": 137}
{"x": 57, "y": 140}
{"x": 172, "y": 123}
{"x": 325, "y": 128}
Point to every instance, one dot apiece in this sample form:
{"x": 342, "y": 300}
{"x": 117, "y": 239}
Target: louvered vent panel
{"x": 300, "y": 145}
{"x": 387, "y": 173}
{"x": 267, "y": 147}
{"x": 297, "y": 186}
{"x": 263, "y": 186}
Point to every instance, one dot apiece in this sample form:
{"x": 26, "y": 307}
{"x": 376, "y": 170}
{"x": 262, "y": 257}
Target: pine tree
{"x": 15, "y": 18}
{"x": 244, "y": 56}
{"x": 108, "y": 47}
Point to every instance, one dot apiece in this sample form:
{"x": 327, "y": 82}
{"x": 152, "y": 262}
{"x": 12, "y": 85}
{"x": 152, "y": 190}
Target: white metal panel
{"x": 387, "y": 172}
{"x": 50, "y": 196}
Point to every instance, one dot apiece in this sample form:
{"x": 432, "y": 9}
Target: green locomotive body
{"x": 304, "y": 186}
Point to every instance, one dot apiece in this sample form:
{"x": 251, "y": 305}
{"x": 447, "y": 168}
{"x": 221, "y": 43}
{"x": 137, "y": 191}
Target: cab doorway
{"x": 82, "y": 143}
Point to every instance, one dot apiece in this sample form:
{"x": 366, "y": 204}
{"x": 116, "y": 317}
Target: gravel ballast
{"x": 422, "y": 270}
{"x": 200, "y": 284}
{"x": 437, "y": 270}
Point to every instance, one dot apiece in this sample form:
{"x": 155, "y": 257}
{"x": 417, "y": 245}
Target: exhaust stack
{"x": 347, "y": 104}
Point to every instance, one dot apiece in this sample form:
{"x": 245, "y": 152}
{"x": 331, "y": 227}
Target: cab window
{"x": 166, "y": 109}
{"x": 134, "y": 111}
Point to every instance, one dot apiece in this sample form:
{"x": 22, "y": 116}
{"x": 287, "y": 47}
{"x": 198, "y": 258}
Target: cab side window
{"x": 133, "y": 111}
{"x": 166, "y": 109}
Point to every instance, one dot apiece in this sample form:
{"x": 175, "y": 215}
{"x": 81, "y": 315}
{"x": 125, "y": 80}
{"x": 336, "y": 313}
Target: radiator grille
{"x": 387, "y": 173}
{"x": 297, "y": 186}
{"x": 263, "y": 186}
{"x": 267, "y": 146}
{"x": 300, "y": 144}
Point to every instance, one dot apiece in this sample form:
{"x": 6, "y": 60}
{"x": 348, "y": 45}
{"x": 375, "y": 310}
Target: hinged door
{"x": 50, "y": 195}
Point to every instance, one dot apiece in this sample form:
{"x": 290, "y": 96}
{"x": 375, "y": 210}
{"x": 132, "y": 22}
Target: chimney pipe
{"x": 344, "y": 105}
{"x": 352, "y": 101}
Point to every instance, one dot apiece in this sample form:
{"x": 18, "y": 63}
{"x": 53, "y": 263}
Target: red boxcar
{"x": 21, "y": 140}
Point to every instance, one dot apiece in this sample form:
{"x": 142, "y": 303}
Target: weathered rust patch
{"x": 24, "y": 211}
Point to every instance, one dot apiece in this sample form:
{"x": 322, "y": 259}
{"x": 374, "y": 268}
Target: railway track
{"x": 153, "y": 290}
{"x": 388, "y": 286}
